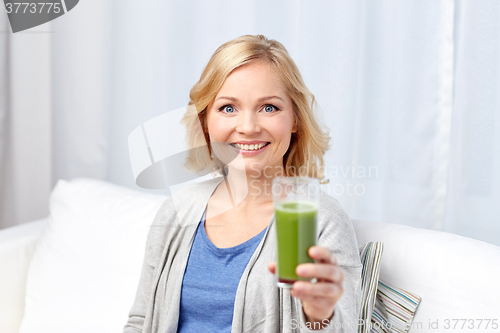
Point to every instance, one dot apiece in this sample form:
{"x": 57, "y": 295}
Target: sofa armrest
{"x": 17, "y": 245}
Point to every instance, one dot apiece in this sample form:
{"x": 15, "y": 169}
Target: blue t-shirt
{"x": 210, "y": 282}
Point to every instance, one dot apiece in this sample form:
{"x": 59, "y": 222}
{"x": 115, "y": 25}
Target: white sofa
{"x": 456, "y": 277}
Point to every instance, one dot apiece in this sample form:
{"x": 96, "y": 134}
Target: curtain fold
{"x": 81, "y": 53}
{"x": 408, "y": 90}
{"x": 25, "y": 117}
{"x": 473, "y": 202}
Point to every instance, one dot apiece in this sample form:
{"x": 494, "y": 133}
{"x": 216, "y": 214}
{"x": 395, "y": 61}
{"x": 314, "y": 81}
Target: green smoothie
{"x": 296, "y": 231}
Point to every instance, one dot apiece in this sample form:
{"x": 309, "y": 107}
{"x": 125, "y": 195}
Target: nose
{"x": 248, "y": 123}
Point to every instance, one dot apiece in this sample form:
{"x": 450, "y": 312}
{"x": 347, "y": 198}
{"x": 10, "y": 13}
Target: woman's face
{"x": 251, "y": 118}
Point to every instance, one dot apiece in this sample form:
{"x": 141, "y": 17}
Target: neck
{"x": 250, "y": 187}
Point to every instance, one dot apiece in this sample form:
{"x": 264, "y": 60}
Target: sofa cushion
{"x": 87, "y": 262}
{"x": 394, "y": 309}
{"x": 456, "y": 277}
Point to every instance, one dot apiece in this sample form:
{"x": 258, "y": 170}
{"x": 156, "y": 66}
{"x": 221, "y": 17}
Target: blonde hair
{"x": 307, "y": 145}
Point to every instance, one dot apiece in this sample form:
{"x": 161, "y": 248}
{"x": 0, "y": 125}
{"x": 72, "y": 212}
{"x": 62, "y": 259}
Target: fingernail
{"x": 301, "y": 270}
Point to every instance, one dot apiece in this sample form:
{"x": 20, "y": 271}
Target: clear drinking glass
{"x": 296, "y": 203}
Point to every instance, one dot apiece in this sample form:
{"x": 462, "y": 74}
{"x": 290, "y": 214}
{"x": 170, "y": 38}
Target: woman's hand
{"x": 318, "y": 299}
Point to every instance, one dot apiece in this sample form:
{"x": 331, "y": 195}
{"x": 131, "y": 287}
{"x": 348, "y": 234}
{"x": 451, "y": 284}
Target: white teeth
{"x": 250, "y": 147}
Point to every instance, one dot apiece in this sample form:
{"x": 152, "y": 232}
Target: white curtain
{"x": 408, "y": 89}
{"x": 473, "y": 200}
{"x": 25, "y": 123}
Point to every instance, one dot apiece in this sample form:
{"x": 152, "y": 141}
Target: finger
{"x": 307, "y": 290}
{"x": 322, "y": 255}
{"x": 325, "y": 272}
{"x": 271, "y": 267}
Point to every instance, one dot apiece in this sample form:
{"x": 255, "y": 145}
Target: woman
{"x": 210, "y": 254}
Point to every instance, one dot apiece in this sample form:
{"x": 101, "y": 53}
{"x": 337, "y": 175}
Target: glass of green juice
{"x": 296, "y": 203}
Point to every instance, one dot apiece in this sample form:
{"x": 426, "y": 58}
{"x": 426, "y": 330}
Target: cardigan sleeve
{"x": 137, "y": 314}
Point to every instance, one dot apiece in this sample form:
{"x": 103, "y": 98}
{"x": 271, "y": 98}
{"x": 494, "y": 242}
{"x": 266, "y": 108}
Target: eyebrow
{"x": 262, "y": 99}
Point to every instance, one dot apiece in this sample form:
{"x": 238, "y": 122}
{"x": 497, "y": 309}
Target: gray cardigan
{"x": 259, "y": 305}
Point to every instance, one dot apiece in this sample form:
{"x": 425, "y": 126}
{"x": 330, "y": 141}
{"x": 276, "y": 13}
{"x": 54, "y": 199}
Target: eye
{"x": 227, "y": 109}
{"x": 270, "y": 108}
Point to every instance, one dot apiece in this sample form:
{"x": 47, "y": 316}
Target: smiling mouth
{"x": 250, "y": 147}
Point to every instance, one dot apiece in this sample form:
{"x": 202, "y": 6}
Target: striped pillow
{"x": 384, "y": 308}
{"x": 394, "y": 309}
{"x": 370, "y": 254}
